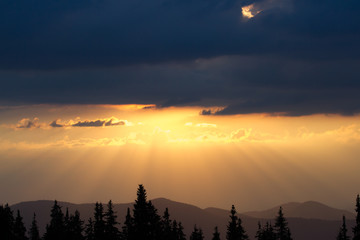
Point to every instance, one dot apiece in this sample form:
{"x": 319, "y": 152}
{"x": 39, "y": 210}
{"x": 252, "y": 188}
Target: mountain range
{"x": 307, "y": 221}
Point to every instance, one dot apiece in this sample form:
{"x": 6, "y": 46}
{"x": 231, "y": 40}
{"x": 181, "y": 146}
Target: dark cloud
{"x": 294, "y": 57}
{"x": 47, "y": 34}
{"x": 206, "y": 112}
{"x": 97, "y": 123}
{"x": 54, "y": 124}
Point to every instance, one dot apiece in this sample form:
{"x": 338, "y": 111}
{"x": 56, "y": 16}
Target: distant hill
{"x": 309, "y": 210}
{"x": 314, "y": 221}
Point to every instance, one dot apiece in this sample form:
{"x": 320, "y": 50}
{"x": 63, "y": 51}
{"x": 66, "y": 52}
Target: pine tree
{"x": 127, "y": 229}
{"x": 34, "y": 230}
{"x": 356, "y": 229}
{"x": 6, "y": 223}
{"x": 281, "y": 227}
{"x": 216, "y": 234}
{"x": 56, "y": 229}
{"x": 146, "y": 221}
{"x": 111, "y": 231}
{"x": 259, "y": 232}
{"x": 89, "y": 230}
{"x": 266, "y": 232}
{"x": 197, "y": 234}
{"x": 180, "y": 235}
{"x": 167, "y": 231}
{"x": 343, "y": 231}
{"x": 19, "y": 228}
{"x": 235, "y": 231}
{"x": 75, "y": 227}
{"x": 99, "y": 223}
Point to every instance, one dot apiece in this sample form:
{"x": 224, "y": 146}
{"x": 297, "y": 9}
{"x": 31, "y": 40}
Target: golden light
{"x": 250, "y": 11}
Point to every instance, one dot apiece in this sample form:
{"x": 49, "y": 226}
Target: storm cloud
{"x": 292, "y": 57}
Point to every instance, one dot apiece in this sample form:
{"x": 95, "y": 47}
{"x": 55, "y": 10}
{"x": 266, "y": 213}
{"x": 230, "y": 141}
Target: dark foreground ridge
{"x": 143, "y": 221}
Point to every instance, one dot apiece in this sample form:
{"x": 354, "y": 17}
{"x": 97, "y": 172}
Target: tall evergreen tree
{"x": 343, "y": 231}
{"x": 167, "y": 231}
{"x": 127, "y": 229}
{"x": 266, "y": 232}
{"x": 356, "y": 229}
{"x": 56, "y": 229}
{"x": 111, "y": 230}
{"x": 89, "y": 230}
{"x": 235, "y": 230}
{"x": 19, "y": 228}
{"x": 34, "y": 229}
{"x": 6, "y": 223}
{"x": 180, "y": 235}
{"x": 99, "y": 223}
{"x": 197, "y": 234}
{"x": 281, "y": 227}
{"x": 146, "y": 221}
{"x": 216, "y": 234}
{"x": 75, "y": 227}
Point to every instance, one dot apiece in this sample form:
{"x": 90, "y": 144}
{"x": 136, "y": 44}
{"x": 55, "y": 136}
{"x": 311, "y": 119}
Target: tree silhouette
{"x": 167, "y": 231}
{"x": 235, "y": 231}
{"x": 6, "y": 223}
{"x": 343, "y": 231}
{"x": 56, "y": 229}
{"x": 266, "y": 232}
{"x": 281, "y": 227}
{"x": 146, "y": 222}
{"x": 197, "y": 234}
{"x": 89, "y": 230}
{"x": 356, "y": 229}
{"x": 178, "y": 229}
{"x": 127, "y": 229}
{"x": 111, "y": 231}
{"x": 75, "y": 227}
{"x": 19, "y": 228}
{"x": 216, "y": 234}
{"x": 99, "y": 223}
{"x": 34, "y": 229}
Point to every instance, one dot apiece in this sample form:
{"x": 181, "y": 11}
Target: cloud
{"x": 292, "y": 58}
{"x": 28, "y": 123}
{"x": 55, "y": 124}
{"x": 98, "y": 123}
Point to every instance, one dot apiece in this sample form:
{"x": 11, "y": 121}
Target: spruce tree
{"x": 89, "y": 230}
{"x": 111, "y": 230}
{"x": 266, "y": 232}
{"x": 216, "y": 234}
{"x": 34, "y": 229}
{"x": 167, "y": 231}
{"x": 356, "y": 229}
{"x": 197, "y": 234}
{"x": 180, "y": 235}
{"x": 146, "y": 221}
{"x": 75, "y": 227}
{"x": 127, "y": 229}
{"x": 56, "y": 229}
{"x": 19, "y": 228}
{"x": 343, "y": 231}
{"x": 281, "y": 227}
{"x": 99, "y": 223}
{"x": 235, "y": 230}
{"x": 6, "y": 223}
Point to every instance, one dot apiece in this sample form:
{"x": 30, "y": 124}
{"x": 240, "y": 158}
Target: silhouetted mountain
{"x": 301, "y": 225}
{"x": 310, "y": 209}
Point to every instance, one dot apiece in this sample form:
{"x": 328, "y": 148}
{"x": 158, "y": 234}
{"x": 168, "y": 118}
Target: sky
{"x": 209, "y": 102}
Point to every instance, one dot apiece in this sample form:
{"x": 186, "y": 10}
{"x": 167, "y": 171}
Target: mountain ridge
{"x": 302, "y": 227}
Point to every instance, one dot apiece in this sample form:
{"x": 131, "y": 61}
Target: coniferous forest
{"x": 143, "y": 222}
